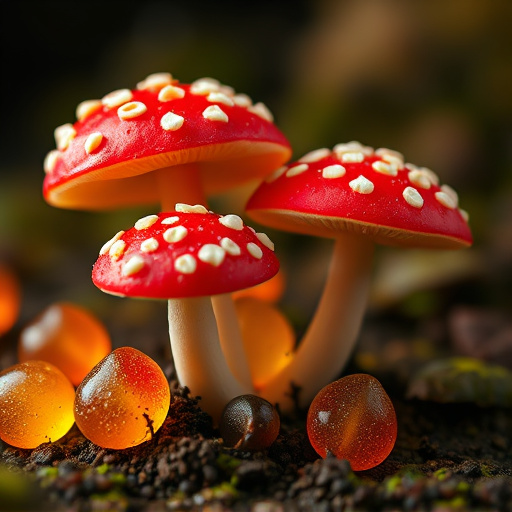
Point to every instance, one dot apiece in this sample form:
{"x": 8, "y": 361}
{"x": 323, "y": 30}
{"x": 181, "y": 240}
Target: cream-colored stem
{"x": 231, "y": 339}
{"x": 179, "y": 184}
{"x": 198, "y": 358}
{"x": 331, "y": 336}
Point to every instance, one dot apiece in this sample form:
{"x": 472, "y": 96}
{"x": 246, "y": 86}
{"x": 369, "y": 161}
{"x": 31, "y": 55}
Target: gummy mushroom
{"x": 185, "y": 257}
{"x": 163, "y": 142}
{"x": 357, "y": 196}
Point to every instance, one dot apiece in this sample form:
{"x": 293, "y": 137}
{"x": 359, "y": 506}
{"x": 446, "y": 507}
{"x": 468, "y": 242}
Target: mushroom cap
{"x": 358, "y": 189}
{"x": 160, "y": 124}
{"x": 184, "y": 254}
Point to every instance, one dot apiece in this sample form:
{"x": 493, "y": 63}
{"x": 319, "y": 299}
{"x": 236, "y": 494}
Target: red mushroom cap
{"x": 354, "y": 188}
{"x": 184, "y": 254}
{"x": 160, "y": 124}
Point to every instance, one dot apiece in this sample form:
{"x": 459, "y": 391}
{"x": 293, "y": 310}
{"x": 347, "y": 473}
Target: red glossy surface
{"x": 36, "y": 404}
{"x": 69, "y": 337}
{"x": 311, "y": 204}
{"x": 354, "y": 419}
{"x": 158, "y": 277}
{"x": 129, "y": 148}
{"x": 123, "y": 401}
{"x": 249, "y": 423}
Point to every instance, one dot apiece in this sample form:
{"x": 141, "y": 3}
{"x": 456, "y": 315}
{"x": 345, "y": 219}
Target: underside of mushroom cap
{"x": 105, "y": 159}
{"x": 356, "y": 189}
{"x": 184, "y": 254}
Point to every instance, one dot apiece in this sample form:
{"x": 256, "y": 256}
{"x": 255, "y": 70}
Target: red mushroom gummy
{"x": 163, "y": 141}
{"x": 358, "y": 197}
{"x": 353, "y": 418}
{"x": 187, "y": 256}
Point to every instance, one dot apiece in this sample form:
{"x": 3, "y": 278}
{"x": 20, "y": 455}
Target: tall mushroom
{"x": 358, "y": 197}
{"x": 165, "y": 142}
{"x": 185, "y": 257}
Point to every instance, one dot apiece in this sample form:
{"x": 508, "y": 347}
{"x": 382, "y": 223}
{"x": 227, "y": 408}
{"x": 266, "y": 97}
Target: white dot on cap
{"x": 232, "y": 221}
{"x": 230, "y": 247}
{"x": 212, "y": 254}
{"x": 133, "y": 265}
{"x": 296, "y": 170}
{"x": 333, "y": 171}
{"x": 110, "y": 243}
{"x": 265, "y": 240}
{"x": 145, "y": 222}
{"x": 170, "y": 92}
{"x": 215, "y": 113}
{"x": 175, "y": 234}
{"x": 188, "y": 208}
{"x": 117, "y": 98}
{"x": 185, "y": 264}
{"x": 362, "y": 185}
{"x": 131, "y": 110}
{"x": 413, "y": 197}
{"x": 171, "y": 122}
{"x": 149, "y": 245}
{"x": 314, "y": 156}
{"x": 446, "y": 200}
{"x": 254, "y": 250}
{"x": 92, "y": 142}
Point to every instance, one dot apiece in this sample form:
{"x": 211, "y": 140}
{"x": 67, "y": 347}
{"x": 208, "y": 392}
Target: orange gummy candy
{"x": 10, "y": 298}
{"x": 36, "y": 404}
{"x": 354, "y": 419}
{"x": 268, "y": 338}
{"x": 123, "y": 401}
{"x": 67, "y": 336}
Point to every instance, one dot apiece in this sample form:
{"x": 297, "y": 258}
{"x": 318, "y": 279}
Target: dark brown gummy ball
{"x": 249, "y": 423}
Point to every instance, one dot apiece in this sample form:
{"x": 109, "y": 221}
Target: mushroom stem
{"x": 180, "y": 183}
{"x": 231, "y": 338}
{"x": 330, "y": 338}
{"x": 198, "y": 358}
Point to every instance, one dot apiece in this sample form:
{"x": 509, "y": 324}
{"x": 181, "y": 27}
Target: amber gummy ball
{"x": 10, "y": 298}
{"x": 123, "y": 401}
{"x": 354, "y": 419}
{"x": 268, "y": 338}
{"x": 69, "y": 337}
{"x": 36, "y": 404}
{"x": 250, "y": 423}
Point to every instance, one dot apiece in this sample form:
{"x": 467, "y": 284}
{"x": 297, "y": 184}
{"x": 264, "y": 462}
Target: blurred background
{"x": 431, "y": 79}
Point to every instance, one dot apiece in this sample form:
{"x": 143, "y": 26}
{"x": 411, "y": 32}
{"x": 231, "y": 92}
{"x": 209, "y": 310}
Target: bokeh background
{"x": 432, "y": 79}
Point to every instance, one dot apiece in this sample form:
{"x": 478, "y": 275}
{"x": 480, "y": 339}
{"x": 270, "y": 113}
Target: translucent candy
{"x": 249, "y": 423}
{"x": 354, "y": 419}
{"x": 36, "y": 404}
{"x": 10, "y": 298}
{"x": 270, "y": 291}
{"x": 268, "y": 338}
{"x": 67, "y": 336}
{"x": 123, "y": 401}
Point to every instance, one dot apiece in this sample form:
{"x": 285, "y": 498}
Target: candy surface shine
{"x": 249, "y": 423}
{"x": 36, "y": 404}
{"x": 9, "y": 299}
{"x": 123, "y": 401}
{"x": 67, "y": 336}
{"x": 268, "y": 338}
{"x": 354, "y": 419}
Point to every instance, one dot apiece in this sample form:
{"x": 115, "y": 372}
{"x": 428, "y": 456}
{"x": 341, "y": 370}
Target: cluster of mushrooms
{"x": 177, "y": 144}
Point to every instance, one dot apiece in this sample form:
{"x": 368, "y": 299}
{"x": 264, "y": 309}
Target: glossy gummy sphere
{"x": 36, "y": 404}
{"x": 268, "y": 338}
{"x": 67, "y": 336}
{"x": 249, "y": 423}
{"x": 123, "y": 401}
{"x": 354, "y": 419}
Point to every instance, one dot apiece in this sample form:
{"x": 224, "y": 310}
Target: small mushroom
{"x": 358, "y": 197}
{"x": 185, "y": 257}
